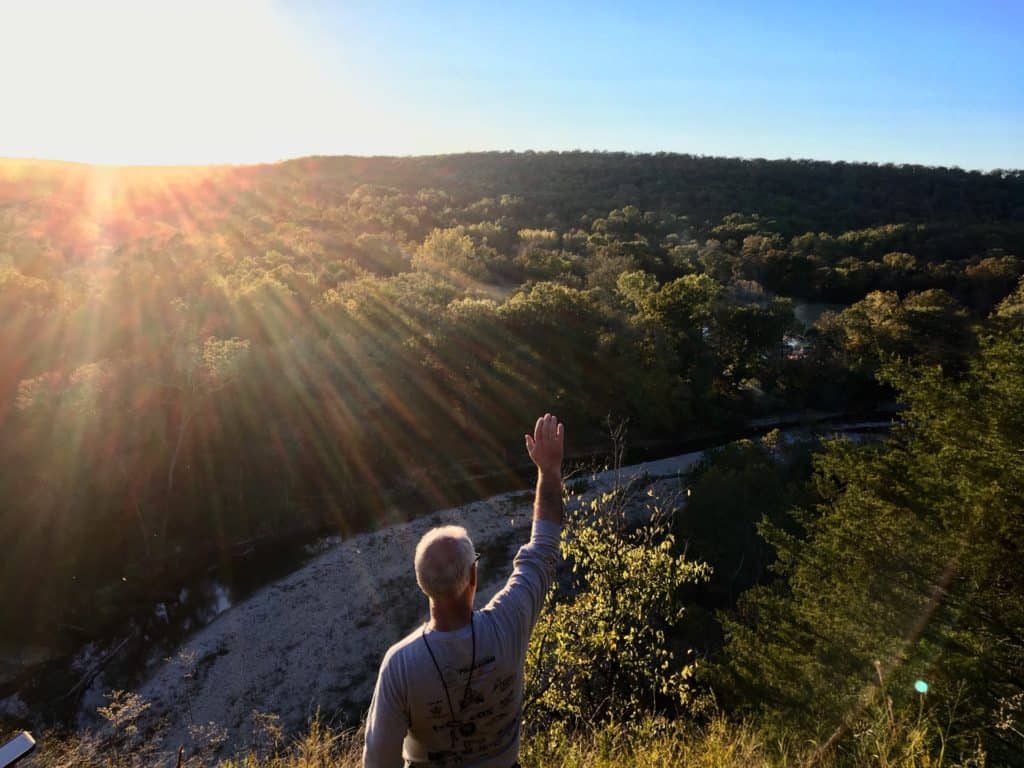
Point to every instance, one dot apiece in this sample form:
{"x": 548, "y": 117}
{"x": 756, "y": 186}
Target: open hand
{"x": 547, "y": 444}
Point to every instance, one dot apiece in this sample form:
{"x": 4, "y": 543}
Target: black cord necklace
{"x": 466, "y": 729}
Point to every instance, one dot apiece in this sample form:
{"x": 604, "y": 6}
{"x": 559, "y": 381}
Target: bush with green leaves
{"x": 605, "y": 651}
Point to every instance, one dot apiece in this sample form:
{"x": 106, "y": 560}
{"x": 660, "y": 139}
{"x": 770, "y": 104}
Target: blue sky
{"x": 934, "y": 83}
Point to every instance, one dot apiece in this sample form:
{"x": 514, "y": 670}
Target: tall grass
{"x": 882, "y": 740}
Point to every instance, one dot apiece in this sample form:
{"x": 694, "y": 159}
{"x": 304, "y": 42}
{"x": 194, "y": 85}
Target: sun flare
{"x": 165, "y": 83}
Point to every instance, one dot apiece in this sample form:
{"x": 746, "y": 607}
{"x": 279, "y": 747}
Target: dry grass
{"x": 653, "y": 744}
{"x": 319, "y": 748}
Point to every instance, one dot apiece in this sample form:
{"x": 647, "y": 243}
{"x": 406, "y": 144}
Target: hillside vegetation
{"x": 200, "y": 357}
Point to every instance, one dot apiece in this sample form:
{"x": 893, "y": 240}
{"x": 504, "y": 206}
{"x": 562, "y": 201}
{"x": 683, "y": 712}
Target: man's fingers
{"x": 547, "y": 428}
{"x": 546, "y": 444}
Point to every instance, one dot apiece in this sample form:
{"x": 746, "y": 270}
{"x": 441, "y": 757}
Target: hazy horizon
{"x": 394, "y": 156}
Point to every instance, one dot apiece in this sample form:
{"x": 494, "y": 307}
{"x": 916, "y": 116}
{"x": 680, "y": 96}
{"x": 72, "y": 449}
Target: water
{"x": 62, "y": 686}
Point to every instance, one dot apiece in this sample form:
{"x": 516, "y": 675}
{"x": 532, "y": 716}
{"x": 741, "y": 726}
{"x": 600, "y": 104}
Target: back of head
{"x": 444, "y": 558}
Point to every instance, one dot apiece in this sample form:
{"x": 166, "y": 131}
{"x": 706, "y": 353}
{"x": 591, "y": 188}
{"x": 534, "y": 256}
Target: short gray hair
{"x": 444, "y": 558}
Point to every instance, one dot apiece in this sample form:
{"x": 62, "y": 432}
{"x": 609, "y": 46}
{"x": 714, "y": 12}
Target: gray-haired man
{"x": 451, "y": 692}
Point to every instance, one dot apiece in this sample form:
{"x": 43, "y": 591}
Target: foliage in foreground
{"x": 906, "y": 571}
{"x": 603, "y": 652}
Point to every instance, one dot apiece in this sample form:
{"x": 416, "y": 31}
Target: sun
{"x": 157, "y": 82}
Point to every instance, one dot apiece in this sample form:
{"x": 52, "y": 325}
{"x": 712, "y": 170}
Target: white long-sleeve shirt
{"x": 409, "y": 716}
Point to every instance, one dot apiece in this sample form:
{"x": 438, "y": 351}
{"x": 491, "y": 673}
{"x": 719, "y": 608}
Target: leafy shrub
{"x": 603, "y": 652}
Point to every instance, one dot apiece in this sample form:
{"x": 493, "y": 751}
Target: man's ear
{"x": 472, "y": 575}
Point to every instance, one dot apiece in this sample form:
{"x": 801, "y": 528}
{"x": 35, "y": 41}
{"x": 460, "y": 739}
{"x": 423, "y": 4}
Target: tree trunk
{"x": 177, "y": 450}
{"x": 183, "y": 427}
{"x": 143, "y": 528}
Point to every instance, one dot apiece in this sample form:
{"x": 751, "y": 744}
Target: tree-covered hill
{"x": 802, "y": 195}
{"x": 197, "y": 357}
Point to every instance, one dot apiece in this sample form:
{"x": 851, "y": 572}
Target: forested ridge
{"x": 196, "y": 357}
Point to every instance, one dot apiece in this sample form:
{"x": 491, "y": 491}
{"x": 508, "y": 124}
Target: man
{"x": 451, "y": 693}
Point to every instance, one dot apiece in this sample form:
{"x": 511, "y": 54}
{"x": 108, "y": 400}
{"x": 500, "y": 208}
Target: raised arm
{"x": 518, "y": 605}
{"x": 546, "y": 446}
